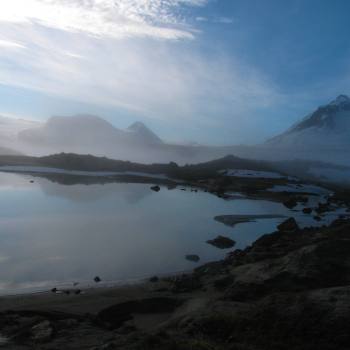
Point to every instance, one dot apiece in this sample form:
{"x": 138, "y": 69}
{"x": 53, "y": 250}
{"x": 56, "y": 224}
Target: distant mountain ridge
{"x": 85, "y": 134}
{"x": 322, "y": 135}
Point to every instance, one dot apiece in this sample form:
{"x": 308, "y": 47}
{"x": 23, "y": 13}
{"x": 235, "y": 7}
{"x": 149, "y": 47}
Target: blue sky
{"x": 211, "y": 71}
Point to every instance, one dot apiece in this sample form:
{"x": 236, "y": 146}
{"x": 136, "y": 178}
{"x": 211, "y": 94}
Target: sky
{"x": 215, "y": 72}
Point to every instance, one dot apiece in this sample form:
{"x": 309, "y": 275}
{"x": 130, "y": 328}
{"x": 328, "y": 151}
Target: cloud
{"x": 106, "y": 18}
{"x": 201, "y": 19}
{"x": 108, "y": 53}
{"x": 72, "y": 54}
{"x": 157, "y": 79}
{"x": 6, "y": 44}
{"x": 224, "y": 20}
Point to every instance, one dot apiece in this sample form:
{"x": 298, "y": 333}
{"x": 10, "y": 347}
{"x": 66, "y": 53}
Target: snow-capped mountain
{"x": 326, "y": 129}
{"x": 323, "y": 134}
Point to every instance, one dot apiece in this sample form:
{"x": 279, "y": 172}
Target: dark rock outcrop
{"x": 192, "y": 257}
{"x": 288, "y": 225}
{"x": 307, "y": 210}
{"x": 222, "y": 242}
{"x": 114, "y": 316}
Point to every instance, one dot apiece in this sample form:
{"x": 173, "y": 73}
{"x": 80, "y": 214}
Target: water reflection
{"x": 52, "y": 233}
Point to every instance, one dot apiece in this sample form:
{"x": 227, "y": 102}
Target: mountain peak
{"x": 327, "y": 125}
{"x": 141, "y": 130}
{"x": 341, "y": 99}
{"x": 327, "y": 117}
{"x": 137, "y": 126}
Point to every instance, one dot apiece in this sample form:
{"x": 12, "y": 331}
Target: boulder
{"x": 222, "y": 242}
{"x": 307, "y": 210}
{"x": 288, "y": 225}
{"x": 42, "y": 332}
{"x": 155, "y": 188}
{"x": 192, "y": 257}
{"x": 185, "y": 283}
{"x": 116, "y": 315}
{"x": 290, "y": 203}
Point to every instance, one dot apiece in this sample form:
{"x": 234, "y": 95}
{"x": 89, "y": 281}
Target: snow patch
{"x": 301, "y": 188}
{"x": 253, "y": 173}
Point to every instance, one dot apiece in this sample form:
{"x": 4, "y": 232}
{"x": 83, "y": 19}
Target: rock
{"x": 108, "y": 346}
{"x": 224, "y": 282}
{"x": 232, "y": 220}
{"x": 4, "y": 341}
{"x": 67, "y": 323}
{"x": 154, "y": 279}
{"x": 222, "y": 242}
{"x": 42, "y": 332}
{"x": 192, "y": 257}
{"x": 290, "y": 203}
{"x": 185, "y": 283}
{"x": 97, "y": 279}
{"x": 339, "y": 222}
{"x": 289, "y": 225}
{"x": 116, "y": 315}
{"x": 127, "y": 327}
{"x": 302, "y": 199}
{"x": 322, "y": 208}
{"x": 307, "y": 210}
{"x": 155, "y": 188}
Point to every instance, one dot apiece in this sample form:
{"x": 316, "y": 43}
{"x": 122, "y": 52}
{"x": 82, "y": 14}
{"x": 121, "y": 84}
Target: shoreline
{"x": 91, "y": 285}
{"x": 279, "y": 284}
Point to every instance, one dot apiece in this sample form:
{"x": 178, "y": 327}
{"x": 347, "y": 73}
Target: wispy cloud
{"x": 122, "y": 18}
{"x": 6, "y": 44}
{"x": 108, "y": 52}
{"x": 224, "y": 20}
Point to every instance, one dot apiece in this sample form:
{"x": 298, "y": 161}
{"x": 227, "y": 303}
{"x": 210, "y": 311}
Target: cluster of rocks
{"x": 294, "y": 200}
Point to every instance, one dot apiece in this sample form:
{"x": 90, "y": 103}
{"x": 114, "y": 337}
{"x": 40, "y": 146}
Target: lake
{"x": 53, "y": 234}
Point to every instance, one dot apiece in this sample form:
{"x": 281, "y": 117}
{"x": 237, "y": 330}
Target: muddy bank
{"x": 289, "y": 290}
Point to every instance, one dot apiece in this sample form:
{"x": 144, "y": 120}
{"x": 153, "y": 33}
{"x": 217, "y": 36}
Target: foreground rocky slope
{"x": 289, "y": 290}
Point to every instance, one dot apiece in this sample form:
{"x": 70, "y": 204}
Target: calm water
{"x": 52, "y": 234}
